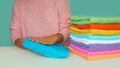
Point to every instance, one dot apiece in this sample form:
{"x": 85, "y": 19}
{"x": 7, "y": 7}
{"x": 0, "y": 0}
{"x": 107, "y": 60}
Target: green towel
{"x": 92, "y": 20}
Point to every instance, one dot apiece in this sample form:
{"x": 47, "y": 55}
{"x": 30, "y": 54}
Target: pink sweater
{"x": 39, "y": 18}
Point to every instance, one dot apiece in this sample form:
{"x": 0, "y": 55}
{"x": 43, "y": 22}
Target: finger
{"x": 42, "y": 41}
{"x": 33, "y": 40}
{"x": 46, "y": 42}
{"x": 36, "y": 40}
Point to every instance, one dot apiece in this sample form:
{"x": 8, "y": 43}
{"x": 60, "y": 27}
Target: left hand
{"x": 49, "y": 40}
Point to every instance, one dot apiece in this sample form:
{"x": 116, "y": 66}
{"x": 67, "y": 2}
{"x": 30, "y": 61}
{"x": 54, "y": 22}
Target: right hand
{"x": 18, "y": 42}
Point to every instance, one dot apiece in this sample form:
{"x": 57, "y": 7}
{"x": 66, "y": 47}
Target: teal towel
{"x": 54, "y": 51}
{"x": 95, "y": 37}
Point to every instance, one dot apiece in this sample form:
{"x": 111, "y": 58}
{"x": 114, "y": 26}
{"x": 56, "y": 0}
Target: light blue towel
{"x": 54, "y": 51}
{"x": 91, "y": 37}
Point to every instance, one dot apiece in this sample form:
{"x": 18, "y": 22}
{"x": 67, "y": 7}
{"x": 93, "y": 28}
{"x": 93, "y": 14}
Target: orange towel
{"x": 95, "y": 32}
{"x": 98, "y": 26}
{"x": 95, "y": 57}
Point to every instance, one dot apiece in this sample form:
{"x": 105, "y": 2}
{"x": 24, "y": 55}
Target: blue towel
{"x": 91, "y": 37}
{"x": 54, "y": 51}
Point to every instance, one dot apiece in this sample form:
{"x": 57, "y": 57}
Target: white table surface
{"x": 13, "y": 57}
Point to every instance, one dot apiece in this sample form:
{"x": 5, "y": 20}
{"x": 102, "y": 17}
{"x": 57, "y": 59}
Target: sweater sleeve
{"x": 64, "y": 18}
{"x": 15, "y": 27}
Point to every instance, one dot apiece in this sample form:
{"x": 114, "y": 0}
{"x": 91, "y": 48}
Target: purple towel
{"x": 96, "y": 47}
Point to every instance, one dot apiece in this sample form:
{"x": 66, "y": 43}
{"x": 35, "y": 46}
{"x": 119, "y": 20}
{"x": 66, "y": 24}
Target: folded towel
{"x": 98, "y": 26}
{"x": 87, "y": 41}
{"x": 54, "y": 51}
{"x": 95, "y": 37}
{"x": 91, "y": 20}
{"x": 95, "y": 57}
{"x": 95, "y": 32}
{"x": 89, "y": 53}
{"x": 96, "y": 47}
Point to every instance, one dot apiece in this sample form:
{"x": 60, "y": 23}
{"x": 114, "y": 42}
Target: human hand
{"x": 18, "y": 42}
{"x": 49, "y": 40}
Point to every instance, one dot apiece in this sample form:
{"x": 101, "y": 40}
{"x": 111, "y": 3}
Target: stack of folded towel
{"x": 95, "y": 38}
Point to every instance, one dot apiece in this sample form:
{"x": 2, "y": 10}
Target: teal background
{"x": 5, "y": 15}
{"x": 101, "y": 8}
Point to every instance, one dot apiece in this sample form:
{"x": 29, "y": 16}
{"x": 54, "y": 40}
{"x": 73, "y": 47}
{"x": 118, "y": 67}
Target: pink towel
{"x": 85, "y": 52}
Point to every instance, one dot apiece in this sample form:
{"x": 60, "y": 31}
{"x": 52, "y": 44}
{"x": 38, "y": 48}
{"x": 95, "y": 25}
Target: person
{"x": 47, "y": 21}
